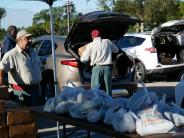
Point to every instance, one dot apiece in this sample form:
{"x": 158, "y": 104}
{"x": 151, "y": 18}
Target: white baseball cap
{"x": 23, "y": 33}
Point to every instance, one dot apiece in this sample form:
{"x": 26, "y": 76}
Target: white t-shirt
{"x": 22, "y": 68}
{"x": 99, "y": 52}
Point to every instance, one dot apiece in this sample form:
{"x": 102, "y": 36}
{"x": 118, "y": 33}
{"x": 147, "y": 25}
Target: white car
{"x": 156, "y": 52}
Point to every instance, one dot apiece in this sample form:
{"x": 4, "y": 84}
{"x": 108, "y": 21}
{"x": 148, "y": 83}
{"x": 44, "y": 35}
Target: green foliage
{"x": 159, "y": 11}
{"x": 37, "y": 30}
{"x": 2, "y": 13}
{"x": 2, "y": 34}
{"x": 42, "y": 19}
{"x": 181, "y": 7}
{"x": 104, "y": 4}
{"x": 151, "y": 12}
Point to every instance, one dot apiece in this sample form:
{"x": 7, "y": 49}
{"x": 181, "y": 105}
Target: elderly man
{"x": 99, "y": 51}
{"x": 23, "y": 67}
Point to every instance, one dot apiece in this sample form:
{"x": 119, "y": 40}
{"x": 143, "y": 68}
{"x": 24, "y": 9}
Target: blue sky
{"x": 20, "y": 12}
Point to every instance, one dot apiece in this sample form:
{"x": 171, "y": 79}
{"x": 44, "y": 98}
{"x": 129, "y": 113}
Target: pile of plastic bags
{"x": 143, "y": 112}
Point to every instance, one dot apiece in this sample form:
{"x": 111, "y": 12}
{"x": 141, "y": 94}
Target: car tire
{"x": 140, "y": 72}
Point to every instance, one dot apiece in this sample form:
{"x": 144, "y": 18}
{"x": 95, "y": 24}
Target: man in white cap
{"x": 23, "y": 67}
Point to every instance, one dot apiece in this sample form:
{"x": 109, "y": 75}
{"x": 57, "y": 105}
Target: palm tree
{"x": 2, "y": 14}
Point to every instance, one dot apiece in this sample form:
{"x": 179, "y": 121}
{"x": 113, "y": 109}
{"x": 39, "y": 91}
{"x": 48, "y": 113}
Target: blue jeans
{"x": 102, "y": 75}
{"x": 35, "y": 98}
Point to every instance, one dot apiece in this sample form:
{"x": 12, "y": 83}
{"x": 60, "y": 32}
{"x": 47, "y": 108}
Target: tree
{"x": 2, "y": 34}
{"x": 37, "y": 30}
{"x": 42, "y": 19}
{"x": 159, "y": 11}
{"x": 182, "y": 9}
{"x": 2, "y": 14}
{"x": 151, "y": 12}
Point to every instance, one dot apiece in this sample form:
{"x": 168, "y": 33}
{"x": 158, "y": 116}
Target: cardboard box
{"x": 4, "y": 94}
{"x": 81, "y": 50}
{"x": 24, "y": 136}
{"x": 166, "y": 60}
{"x": 4, "y": 131}
{"x": 20, "y": 131}
{"x": 20, "y": 117}
{"x": 3, "y": 119}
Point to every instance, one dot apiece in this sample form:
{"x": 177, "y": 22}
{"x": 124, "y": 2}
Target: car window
{"x": 45, "y": 48}
{"x": 130, "y": 41}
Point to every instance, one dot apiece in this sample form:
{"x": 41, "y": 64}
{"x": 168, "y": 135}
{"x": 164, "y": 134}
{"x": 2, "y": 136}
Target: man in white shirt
{"x": 23, "y": 67}
{"x": 99, "y": 52}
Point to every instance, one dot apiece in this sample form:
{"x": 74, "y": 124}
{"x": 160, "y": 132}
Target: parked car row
{"x": 142, "y": 54}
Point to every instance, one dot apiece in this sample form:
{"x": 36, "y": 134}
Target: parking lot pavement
{"x": 161, "y": 88}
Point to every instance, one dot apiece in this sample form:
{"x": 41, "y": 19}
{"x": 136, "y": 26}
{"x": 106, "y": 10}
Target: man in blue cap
{"x": 99, "y": 51}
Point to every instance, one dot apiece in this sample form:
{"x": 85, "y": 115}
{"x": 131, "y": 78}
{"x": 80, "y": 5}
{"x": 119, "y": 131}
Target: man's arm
{"x": 7, "y": 46}
{"x": 1, "y": 77}
{"x": 85, "y": 55}
{"x": 115, "y": 49}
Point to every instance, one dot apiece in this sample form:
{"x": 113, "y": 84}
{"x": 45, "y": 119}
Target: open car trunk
{"x": 112, "y": 26}
{"x": 123, "y": 68}
{"x": 168, "y": 39}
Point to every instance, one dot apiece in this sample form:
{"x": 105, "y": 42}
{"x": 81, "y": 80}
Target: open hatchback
{"x": 168, "y": 39}
{"x": 112, "y": 26}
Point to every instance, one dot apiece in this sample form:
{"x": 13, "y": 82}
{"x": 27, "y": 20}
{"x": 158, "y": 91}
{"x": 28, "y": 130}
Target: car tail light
{"x": 151, "y": 50}
{"x": 71, "y": 62}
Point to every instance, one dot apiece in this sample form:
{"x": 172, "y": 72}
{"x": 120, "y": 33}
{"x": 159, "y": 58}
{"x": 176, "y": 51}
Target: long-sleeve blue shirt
{"x": 8, "y": 44}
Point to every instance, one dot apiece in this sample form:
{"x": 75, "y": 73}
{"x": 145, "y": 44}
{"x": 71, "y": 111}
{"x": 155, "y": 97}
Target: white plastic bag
{"x": 152, "y": 122}
{"x": 96, "y": 115}
{"x": 141, "y": 100}
{"x": 85, "y": 96}
{"x": 179, "y": 95}
{"x": 69, "y": 94}
{"x": 106, "y": 99}
{"x": 162, "y": 106}
{"x": 176, "y": 118}
{"x": 75, "y": 113}
{"x": 175, "y": 115}
{"x": 123, "y": 121}
{"x": 109, "y": 114}
{"x": 49, "y": 105}
{"x": 63, "y": 107}
{"x": 121, "y": 102}
{"x": 153, "y": 125}
{"x": 80, "y": 110}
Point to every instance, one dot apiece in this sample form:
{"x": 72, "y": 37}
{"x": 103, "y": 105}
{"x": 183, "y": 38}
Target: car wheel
{"x": 181, "y": 76}
{"x": 139, "y": 72}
